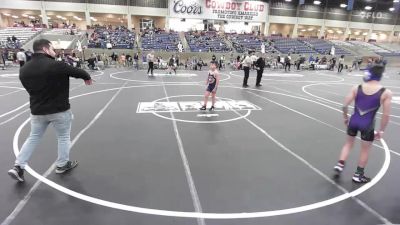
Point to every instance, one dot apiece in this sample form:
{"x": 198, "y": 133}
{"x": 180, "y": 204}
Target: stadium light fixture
{"x": 391, "y": 9}
{"x": 6, "y": 14}
{"x": 368, "y": 7}
{"x": 31, "y": 17}
{"x": 24, "y": 15}
{"x": 288, "y": 0}
{"x": 343, "y": 5}
{"x": 317, "y": 2}
{"x": 15, "y": 17}
{"x": 396, "y": 1}
{"x": 59, "y": 17}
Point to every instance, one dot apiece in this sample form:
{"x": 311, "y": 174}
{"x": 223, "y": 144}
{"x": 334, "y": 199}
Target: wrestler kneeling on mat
{"x": 368, "y": 98}
{"x": 212, "y": 85}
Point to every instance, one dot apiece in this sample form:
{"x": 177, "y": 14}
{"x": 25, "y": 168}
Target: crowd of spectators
{"x": 107, "y": 37}
{"x": 210, "y": 41}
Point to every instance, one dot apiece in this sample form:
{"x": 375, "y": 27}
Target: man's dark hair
{"x": 39, "y": 44}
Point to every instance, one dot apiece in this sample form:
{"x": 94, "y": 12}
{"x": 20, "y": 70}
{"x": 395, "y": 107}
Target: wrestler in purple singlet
{"x": 363, "y": 118}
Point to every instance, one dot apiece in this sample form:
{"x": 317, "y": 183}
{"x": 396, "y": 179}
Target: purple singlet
{"x": 365, "y": 109}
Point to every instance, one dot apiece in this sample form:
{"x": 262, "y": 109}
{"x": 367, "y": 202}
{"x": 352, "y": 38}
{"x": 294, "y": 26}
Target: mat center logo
{"x": 226, "y": 110}
{"x": 187, "y": 7}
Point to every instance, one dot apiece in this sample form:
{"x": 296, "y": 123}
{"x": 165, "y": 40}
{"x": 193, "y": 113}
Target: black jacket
{"x": 47, "y": 82}
{"x": 260, "y": 63}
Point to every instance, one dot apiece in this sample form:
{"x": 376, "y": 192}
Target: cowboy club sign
{"x": 230, "y": 10}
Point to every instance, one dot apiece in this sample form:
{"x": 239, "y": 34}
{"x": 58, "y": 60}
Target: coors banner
{"x": 230, "y": 10}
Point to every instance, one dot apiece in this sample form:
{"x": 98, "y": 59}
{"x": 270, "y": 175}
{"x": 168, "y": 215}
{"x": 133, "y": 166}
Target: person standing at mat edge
{"x": 212, "y": 85}
{"x": 47, "y": 82}
{"x": 246, "y": 64}
{"x": 150, "y": 60}
{"x": 260, "y": 65}
{"x": 368, "y": 98}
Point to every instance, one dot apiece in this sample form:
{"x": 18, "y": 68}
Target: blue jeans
{"x": 61, "y": 123}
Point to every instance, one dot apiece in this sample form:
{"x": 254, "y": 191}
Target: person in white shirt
{"x": 21, "y": 57}
{"x": 180, "y": 47}
{"x": 263, "y": 48}
{"x": 109, "y": 45}
{"x": 253, "y": 60}
{"x": 246, "y": 64}
{"x": 150, "y": 61}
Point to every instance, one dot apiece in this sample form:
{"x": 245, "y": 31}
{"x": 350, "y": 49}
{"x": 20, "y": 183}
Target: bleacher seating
{"x": 374, "y": 48}
{"x": 21, "y": 33}
{"x": 120, "y": 38}
{"x": 61, "y": 31}
{"x": 206, "y": 42}
{"x": 394, "y": 49}
{"x": 289, "y": 45}
{"x": 323, "y": 47}
{"x": 248, "y": 42}
{"x": 160, "y": 41}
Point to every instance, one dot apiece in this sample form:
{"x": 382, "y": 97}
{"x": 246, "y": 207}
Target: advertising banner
{"x": 229, "y": 10}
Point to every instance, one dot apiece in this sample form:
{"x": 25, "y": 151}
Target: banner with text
{"x": 229, "y": 10}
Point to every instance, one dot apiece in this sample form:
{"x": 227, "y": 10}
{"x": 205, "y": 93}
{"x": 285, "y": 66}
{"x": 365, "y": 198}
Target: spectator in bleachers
{"x": 14, "y": 39}
{"x": 21, "y": 57}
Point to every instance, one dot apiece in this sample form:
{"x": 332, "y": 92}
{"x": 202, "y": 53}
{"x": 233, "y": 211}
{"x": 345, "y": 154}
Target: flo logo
{"x": 187, "y": 7}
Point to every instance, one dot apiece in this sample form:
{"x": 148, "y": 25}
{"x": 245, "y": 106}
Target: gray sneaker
{"x": 69, "y": 166}
{"x": 17, "y": 173}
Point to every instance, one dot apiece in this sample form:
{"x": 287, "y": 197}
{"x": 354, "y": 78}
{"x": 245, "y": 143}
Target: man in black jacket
{"x": 260, "y": 65}
{"x": 47, "y": 82}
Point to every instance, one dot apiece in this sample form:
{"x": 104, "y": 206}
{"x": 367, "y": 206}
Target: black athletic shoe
{"x": 17, "y": 173}
{"x": 203, "y": 108}
{"x": 69, "y": 166}
{"x": 258, "y": 85}
{"x": 360, "y": 178}
{"x": 245, "y": 85}
{"x": 212, "y": 108}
